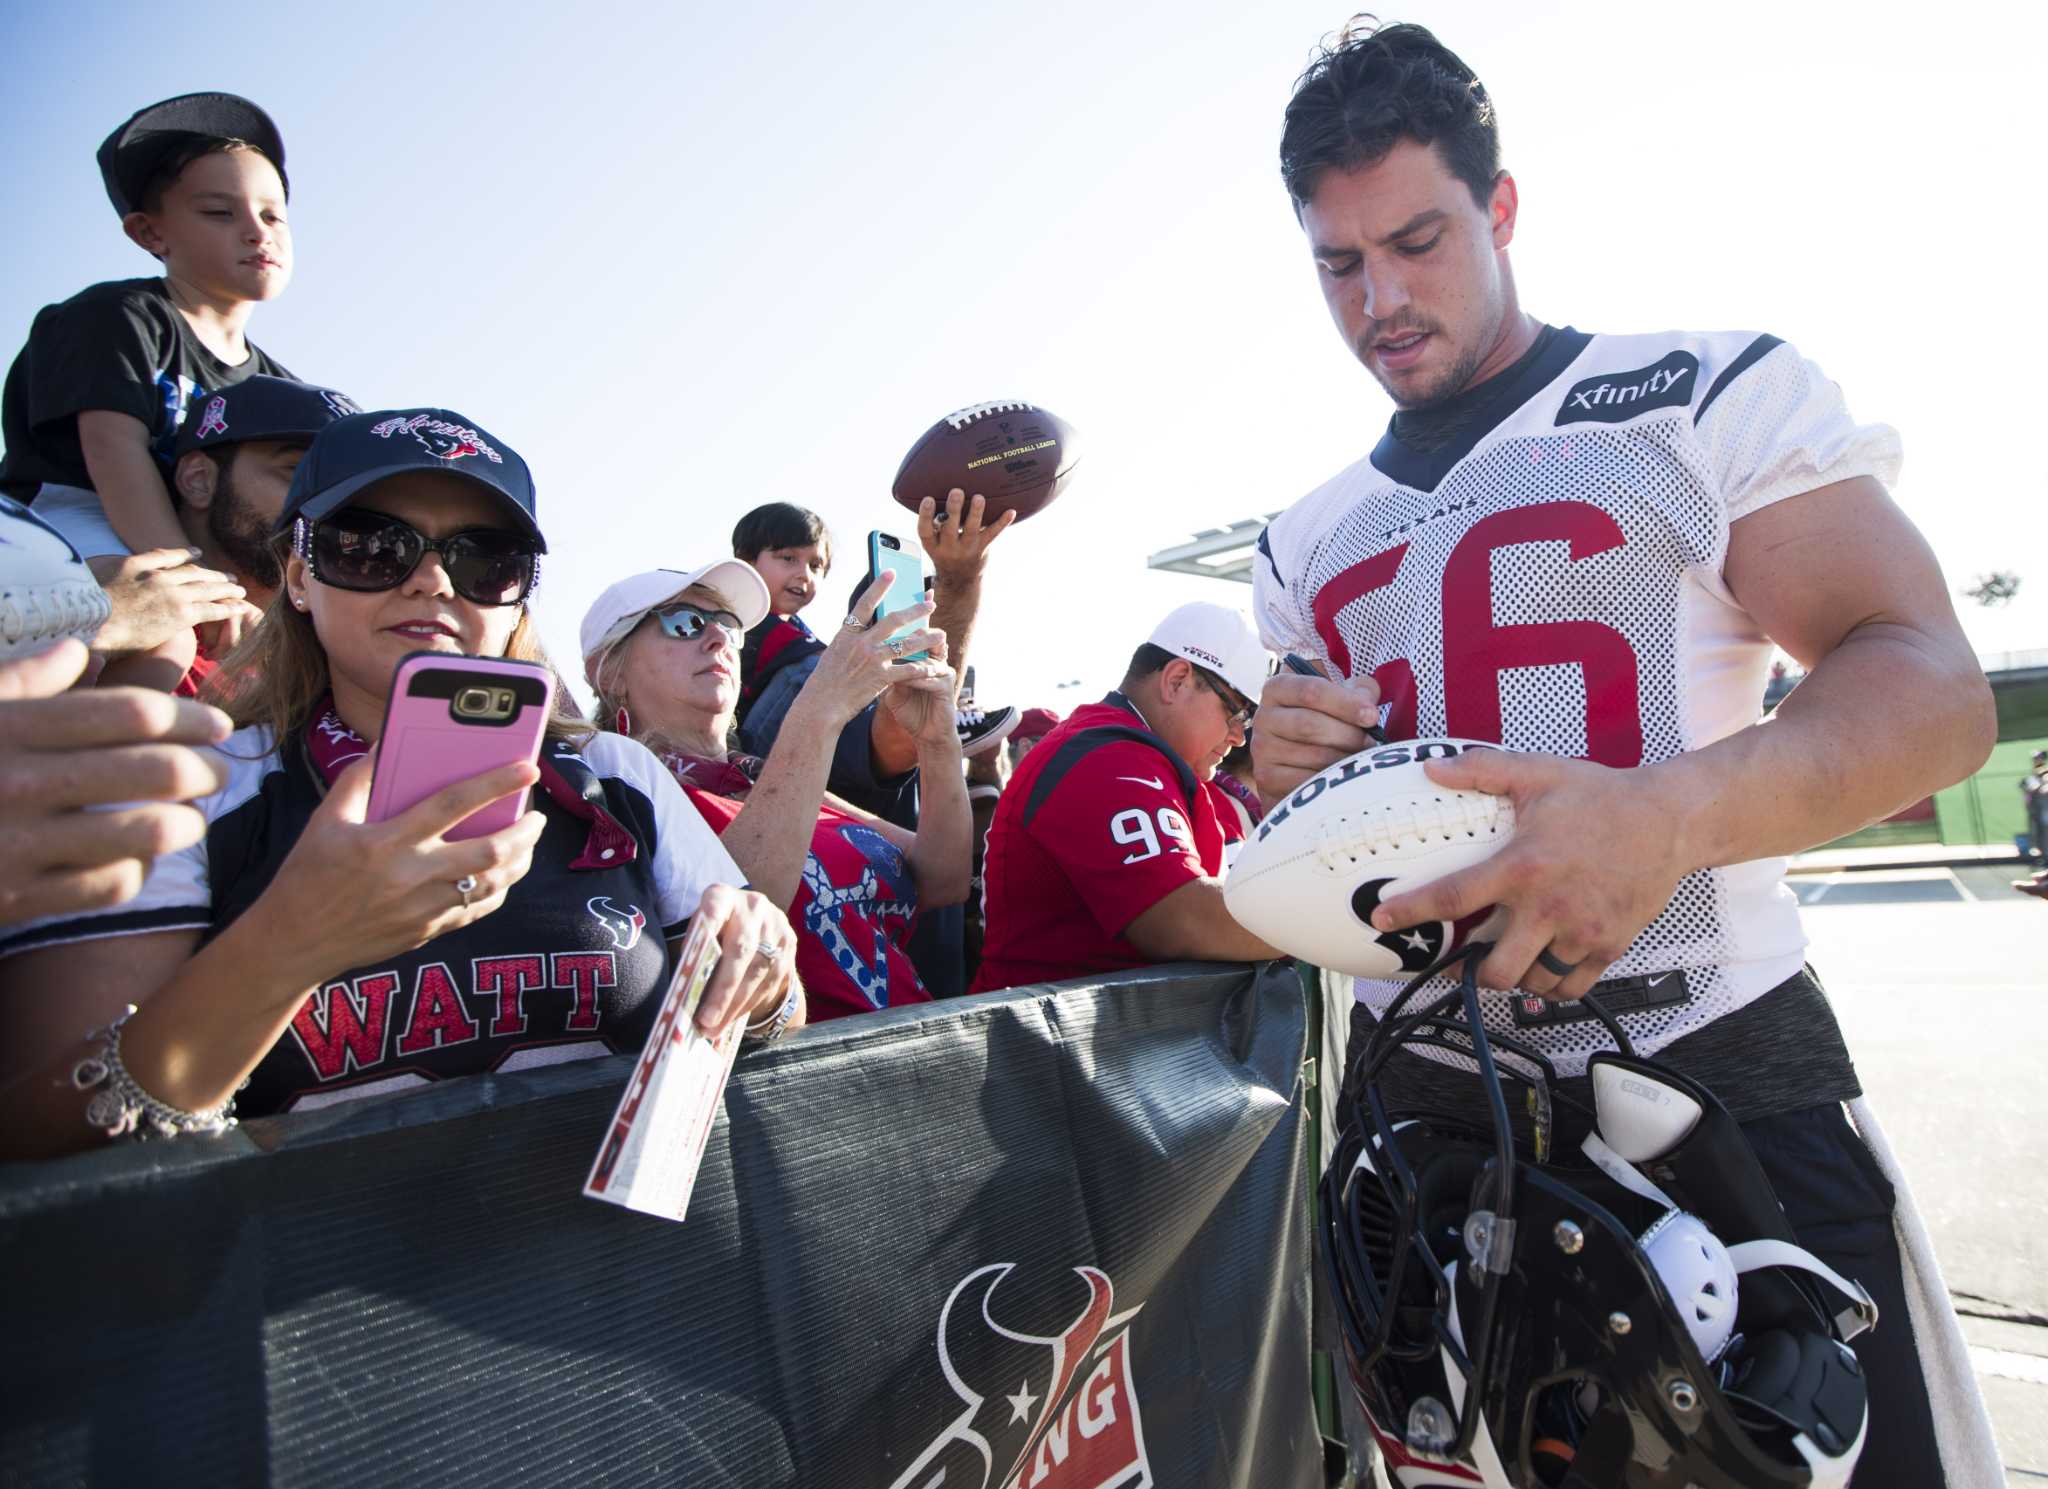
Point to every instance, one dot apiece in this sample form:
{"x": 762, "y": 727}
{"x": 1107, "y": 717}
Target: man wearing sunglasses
{"x": 1106, "y": 851}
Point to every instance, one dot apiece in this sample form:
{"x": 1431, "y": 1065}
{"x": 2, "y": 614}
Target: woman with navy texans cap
{"x": 298, "y": 955}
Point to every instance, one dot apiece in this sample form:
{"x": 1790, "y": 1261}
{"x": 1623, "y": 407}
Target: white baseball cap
{"x": 1220, "y": 639}
{"x": 614, "y": 614}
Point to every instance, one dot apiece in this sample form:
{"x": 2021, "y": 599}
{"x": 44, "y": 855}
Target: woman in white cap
{"x": 662, "y": 650}
{"x": 306, "y": 954}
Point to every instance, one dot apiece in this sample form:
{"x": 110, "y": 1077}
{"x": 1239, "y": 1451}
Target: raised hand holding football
{"x": 1016, "y": 455}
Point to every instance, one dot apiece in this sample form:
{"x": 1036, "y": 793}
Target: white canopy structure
{"x": 1216, "y": 553}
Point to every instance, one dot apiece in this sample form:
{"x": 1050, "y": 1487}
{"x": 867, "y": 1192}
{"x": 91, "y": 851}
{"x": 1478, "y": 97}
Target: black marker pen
{"x": 1307, "y": 668}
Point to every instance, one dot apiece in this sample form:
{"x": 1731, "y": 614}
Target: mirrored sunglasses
{"x": 687, "y": 622}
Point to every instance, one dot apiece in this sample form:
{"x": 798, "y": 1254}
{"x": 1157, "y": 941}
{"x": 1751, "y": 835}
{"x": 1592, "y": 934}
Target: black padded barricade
{"x": 1053, "y": 1237}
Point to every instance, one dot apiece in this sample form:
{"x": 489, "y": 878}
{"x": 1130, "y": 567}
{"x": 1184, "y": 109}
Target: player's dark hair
{"x": 1146, "y": 661}
{"x": 1374, "y": 86}
{"x": 781, "y": 525}
{"x": 194, "y": 147}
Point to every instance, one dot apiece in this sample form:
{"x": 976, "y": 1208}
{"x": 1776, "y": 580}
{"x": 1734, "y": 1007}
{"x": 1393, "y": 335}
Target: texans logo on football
{"x": 623, "y": 924}
{"x": 1418, "y": 947}
{"x": 1069, "y": 1421}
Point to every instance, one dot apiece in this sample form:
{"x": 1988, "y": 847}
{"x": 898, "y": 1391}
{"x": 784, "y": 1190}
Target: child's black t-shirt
{"x": 120, "y": 346}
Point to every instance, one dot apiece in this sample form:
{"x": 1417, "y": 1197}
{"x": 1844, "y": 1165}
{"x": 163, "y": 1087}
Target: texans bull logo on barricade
{"x": 1071, "y": 1420}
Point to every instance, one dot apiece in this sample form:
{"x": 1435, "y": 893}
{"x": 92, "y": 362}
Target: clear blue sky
{"x": 686, "y": 263}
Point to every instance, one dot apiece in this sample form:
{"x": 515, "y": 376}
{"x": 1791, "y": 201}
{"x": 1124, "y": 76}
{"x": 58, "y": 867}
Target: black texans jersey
{"x": 1548, "y": 575}
{"x": 573, "y": 964}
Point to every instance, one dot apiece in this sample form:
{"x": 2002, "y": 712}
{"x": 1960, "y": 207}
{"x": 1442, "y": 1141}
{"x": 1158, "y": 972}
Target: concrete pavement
{"x": 1940, "y": 978}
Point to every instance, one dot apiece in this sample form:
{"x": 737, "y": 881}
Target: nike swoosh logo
{"x": 1650, "y": 982}
{"x": 1144, "y": 781}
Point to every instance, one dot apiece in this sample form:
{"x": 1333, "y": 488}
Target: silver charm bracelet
{"x": 123, "y": 1107}
{"x": 771, "y": 1031}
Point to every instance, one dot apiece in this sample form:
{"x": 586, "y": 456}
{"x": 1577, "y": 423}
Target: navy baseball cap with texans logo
{"x": 363, "y": 449}
{"x": 259, "y": 407}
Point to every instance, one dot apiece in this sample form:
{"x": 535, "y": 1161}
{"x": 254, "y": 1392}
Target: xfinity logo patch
{"x": 1616, "y": 397}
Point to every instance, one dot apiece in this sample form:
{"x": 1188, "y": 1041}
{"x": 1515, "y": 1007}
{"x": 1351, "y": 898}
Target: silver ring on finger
{"x": 466, "y": 886}
{"x": 769, "y": 949}
{"x": 851, "y": 624}
{"x": 1551, "y": 962}
{"x": 898, "y": 646}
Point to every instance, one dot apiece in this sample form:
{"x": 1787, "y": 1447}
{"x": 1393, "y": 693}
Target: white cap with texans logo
{"x": 1220, "y": 639}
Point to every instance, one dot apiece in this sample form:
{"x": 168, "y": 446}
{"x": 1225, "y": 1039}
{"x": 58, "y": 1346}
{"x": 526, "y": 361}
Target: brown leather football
{"x": 1017, "y": 455}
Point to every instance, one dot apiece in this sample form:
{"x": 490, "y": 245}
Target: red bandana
{"x": 333, "y": 746}
{"x": 734, "y": 776}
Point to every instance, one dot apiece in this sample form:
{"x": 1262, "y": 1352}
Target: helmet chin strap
{"x": 1748, "y": 1256}
{"x": 1860, "y": 1315}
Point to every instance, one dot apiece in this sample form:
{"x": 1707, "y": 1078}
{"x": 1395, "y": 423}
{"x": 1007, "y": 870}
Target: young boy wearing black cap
{"x": 94, "y": 402}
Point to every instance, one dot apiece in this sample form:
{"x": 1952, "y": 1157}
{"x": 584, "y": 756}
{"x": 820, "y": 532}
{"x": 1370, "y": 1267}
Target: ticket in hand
{"x": 657, "y": 1136}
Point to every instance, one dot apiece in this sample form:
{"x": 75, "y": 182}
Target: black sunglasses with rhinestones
{"x": 363, "y": 550}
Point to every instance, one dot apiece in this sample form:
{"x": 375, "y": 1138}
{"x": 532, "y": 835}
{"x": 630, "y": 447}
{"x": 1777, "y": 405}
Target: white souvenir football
{"x": 1364, "y": 830}
{"x": 46, "y": 591}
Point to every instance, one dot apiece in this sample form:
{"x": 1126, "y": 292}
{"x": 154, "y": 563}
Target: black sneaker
{"x": 983, "y": 730}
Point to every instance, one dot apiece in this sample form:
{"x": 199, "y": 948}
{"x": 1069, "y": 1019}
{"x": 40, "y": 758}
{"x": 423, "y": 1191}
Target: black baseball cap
{"x": 262, "y": 407}
{"x": 363, "y": 449}
{"x": 131, "y": 154}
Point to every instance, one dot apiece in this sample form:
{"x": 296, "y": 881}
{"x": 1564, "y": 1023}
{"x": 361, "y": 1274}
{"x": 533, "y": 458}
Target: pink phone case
{"x": 451, "y": 718}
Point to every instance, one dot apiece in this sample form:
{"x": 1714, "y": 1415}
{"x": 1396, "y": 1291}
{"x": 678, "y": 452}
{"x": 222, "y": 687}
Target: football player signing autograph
{"x": 1106, "y": 851}
{"x": 1583, "y": 546}
{"x": 296, "y": 953}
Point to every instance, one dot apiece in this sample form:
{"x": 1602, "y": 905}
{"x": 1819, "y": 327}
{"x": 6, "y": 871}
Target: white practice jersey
{"x": 1552, "y": 580}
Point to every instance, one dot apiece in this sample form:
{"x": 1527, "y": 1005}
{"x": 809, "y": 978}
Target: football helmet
{"x": 1637, "y": 1315}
